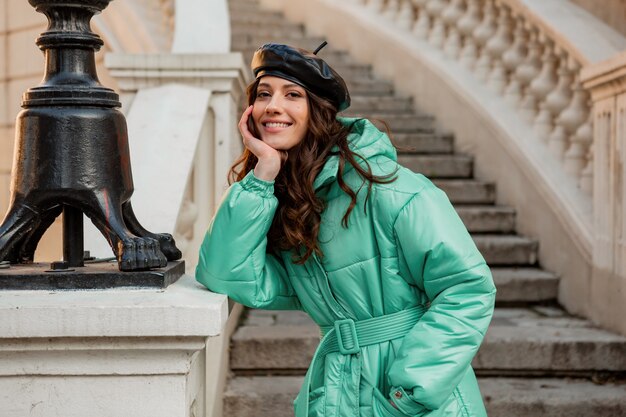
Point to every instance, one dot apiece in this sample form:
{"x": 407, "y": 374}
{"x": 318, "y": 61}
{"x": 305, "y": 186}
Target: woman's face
{"x": 280, "y": 112}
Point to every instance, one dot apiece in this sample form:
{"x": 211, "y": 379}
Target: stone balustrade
{"x": 518, "y": 56}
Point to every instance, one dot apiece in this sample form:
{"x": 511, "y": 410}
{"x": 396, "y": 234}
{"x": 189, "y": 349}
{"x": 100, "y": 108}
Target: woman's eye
{"x": 294, "y": 94}
{"x": 263, "y": 94}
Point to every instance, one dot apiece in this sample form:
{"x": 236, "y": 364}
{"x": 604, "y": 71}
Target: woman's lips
{"x": 272, "y": 127}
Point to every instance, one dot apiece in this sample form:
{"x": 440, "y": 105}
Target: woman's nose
{"x": 273, "y": 106}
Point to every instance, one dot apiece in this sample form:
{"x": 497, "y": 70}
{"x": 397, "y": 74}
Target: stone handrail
{"x": 512, "y": 48}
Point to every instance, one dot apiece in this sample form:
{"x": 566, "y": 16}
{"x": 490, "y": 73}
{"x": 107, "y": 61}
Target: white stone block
{"x": 5, "y": 181}
{"x": 16, "y": 88}
{"x": 109, "y": 353}
{"x": 92, "y": 396}
{"x": 22, "y": 15}
{"x": 202, "y": 26}
{"x": 7, "y": 141}
{"x": 3, "y": 51}
{"x": 4, "y": 105}
{"x": 3, "y": 20}
{"x": 184, "y": 309}
{"x": 24, "y": 57}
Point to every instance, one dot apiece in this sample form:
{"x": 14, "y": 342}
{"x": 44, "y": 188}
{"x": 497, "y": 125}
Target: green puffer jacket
{"x": 404, "y": 246}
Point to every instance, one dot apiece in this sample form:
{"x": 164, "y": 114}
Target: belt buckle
{"x": 347, "y": 338}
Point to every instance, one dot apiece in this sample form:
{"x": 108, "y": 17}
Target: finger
{"x": 243, "y": 123}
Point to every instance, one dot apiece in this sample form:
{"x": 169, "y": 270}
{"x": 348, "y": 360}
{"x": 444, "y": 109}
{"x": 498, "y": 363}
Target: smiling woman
{"x": 280, "y": 113}
{"x": 320, "y": 217}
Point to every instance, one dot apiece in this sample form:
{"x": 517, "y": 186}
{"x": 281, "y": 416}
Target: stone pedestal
{"x": 110, "y": 353}
{"x": 606, "y": 81}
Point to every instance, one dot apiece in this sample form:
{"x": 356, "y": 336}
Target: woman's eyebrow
{"x": 266, "y": 85}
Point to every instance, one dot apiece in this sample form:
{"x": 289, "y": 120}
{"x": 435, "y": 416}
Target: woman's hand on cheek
{"x": 270, "y": 159}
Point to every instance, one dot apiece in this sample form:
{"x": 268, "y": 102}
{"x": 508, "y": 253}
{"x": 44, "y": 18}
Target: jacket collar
{"x": 365, "y": 140}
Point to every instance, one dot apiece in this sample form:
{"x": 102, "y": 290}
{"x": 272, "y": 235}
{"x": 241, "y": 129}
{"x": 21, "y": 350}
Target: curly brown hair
{"x": 296, "y": 224}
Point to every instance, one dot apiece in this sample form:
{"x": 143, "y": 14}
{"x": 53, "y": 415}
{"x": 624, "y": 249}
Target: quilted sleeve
{"x": 233, "y": 258}
{"x": 445, "y": 263}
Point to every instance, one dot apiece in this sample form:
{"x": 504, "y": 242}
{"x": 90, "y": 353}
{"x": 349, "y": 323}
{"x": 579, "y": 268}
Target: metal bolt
{"x": 59, "y": 265}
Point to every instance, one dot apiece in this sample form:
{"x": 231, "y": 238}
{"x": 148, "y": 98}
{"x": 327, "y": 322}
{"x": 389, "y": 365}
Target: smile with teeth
{"x": 276, "y": 124}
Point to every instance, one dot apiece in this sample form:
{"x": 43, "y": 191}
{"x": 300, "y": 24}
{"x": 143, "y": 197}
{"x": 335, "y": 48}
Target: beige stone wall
{"x": 21, "y": 67}
{"x": 611, "y": 12}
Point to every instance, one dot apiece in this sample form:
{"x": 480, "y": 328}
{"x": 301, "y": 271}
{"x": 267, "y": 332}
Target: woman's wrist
{"x": 267, "y": 169}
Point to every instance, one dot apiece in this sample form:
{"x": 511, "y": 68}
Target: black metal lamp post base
{"x": 92, "y": 276}
{"x": 72, "y": 154}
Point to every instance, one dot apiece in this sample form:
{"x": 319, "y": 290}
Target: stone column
{"x": 607, "y": 83}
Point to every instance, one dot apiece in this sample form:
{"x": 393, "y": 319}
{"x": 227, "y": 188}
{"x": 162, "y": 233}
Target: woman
{"x": 323, "y": 219}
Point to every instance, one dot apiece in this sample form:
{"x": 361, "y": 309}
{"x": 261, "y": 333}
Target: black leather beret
{"x": 303, "y": 68}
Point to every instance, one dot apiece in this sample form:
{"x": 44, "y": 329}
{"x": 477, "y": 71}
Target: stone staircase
{"x": 536, "y": 360}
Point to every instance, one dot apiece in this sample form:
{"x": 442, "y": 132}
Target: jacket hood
{"x": 365, "y": 140}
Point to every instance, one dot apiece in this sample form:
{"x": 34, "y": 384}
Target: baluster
{"x": 376, "y": 5}
{"x": 496, "y": 46}
{"x": 584, "y": 135}
{"x": 422, "y": 24}
{"x": 512, "y": 59}
{"x": 405, "y": 15}
{"x": 482, "y": 33}
{"x": 466, "y": 25}
{"x": 526, "y": 73}
{"x": 573, "y": 118}
{"x": 437, "y": 34}
{"x": 541, "y": 87}
{"x": 569, "y": 118}
{"x": 450, "y": 17}
{"x": 556, "y": 102}
{"x": 391, "y": 10}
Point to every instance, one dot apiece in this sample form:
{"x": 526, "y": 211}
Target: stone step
{"x": 366, "y": 104}
{"x": 296, "y": 39}
{"x": 369, "y": 86}
{"x": 487, "y": 219}
{"x": 439, "y": 166}
{"x": 467, "y": 191}
{"x": 264, "y": 396}
{"x": 400, "y": 122}
{"x": 243, "y": 36}
{"x": 425, "y": 143}
{"x": 534, "y": 341}
{"x": 524, "y": 285}
{"x": 333, "y": 57}
{"x": 244, "y": 6}
{"x": 349, "y": 70}
{"x": 257, "y": 17}
{"x": 545, "y": 340}
{"x": 507, "y": 249}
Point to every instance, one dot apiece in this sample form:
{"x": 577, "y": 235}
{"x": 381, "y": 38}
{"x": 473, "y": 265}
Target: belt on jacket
{"x": 348, "y": 337}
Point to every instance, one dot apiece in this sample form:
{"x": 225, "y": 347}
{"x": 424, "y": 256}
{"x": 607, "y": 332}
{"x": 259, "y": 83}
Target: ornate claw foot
{"x": 24, "y": 250}
{"x": 166, "y": 240}
{"x": 139, "y": 253}
{"x": 132, "y": 252}
{"x": 20, "y": 222}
